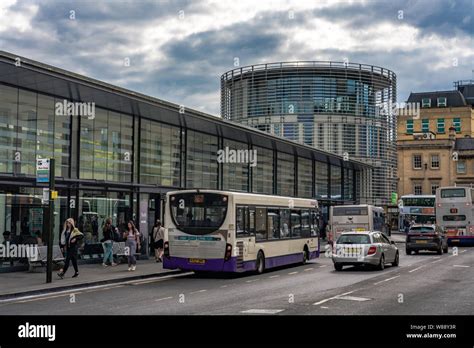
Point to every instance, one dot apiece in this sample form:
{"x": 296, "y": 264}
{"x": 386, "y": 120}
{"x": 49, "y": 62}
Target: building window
{"x": 434, "y": 161}
{"x": 440, "y": 125}
{"x": 425, "y": 126}
{"x": 441, "y": 101}
{"x": 433, "y": 188}
{"x": 426, "y": 103}
{"x": 457, "y": 124}
{"x": 417, "y": 188}
{"x": 416, "y": 161}
{"x": 409, "y": 126}
{"x": 461, "y": 167}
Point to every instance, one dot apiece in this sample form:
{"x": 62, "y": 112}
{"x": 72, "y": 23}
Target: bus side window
{"x": 295, "y": 223}
{"x": 305, "y": 224}
{"x": 240, "y": 221}
{"x": 273, "y": 224}
{"x": 284, "y": 223}
{"x": 251, "y": 221}
{"x": 261, "y": 224}
{"x": 314, "y": 224}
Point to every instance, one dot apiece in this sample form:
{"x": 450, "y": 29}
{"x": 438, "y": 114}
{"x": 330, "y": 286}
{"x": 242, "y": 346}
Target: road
{"x": 422, "y": 284}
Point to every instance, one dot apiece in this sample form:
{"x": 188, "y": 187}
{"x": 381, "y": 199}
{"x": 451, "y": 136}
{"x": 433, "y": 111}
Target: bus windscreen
{"x": 198, "y": 213}
{"x": 453, "y": 193}
{"x": 349, "y": 211}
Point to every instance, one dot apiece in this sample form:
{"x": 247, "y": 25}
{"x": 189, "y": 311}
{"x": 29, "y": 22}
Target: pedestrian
{"x": 132, "y": 237}
{"x": 108, "y": 242}
{"x": 68, "y": 242}
{"x": 158, "y": 237}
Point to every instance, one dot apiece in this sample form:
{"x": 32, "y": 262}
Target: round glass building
{"x": 344, "y": 108}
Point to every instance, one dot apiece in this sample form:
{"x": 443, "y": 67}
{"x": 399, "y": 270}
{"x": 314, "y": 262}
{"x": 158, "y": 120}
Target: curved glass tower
{"x": 344, "y": 108}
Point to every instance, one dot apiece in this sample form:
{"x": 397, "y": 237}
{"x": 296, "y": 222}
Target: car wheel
{"x": 417, "y": 252}
{"x": 397, "y": 260}
{"x": 381, "y": 265}
{"x": 408, "y": 251}
{"x": 440, "y": 249}
{"x": 445, "y": 249}
{"x": 260, "y": 262}
{"x": 338, "y": 267}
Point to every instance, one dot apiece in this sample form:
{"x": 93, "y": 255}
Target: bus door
{"x": 245, "y": 231}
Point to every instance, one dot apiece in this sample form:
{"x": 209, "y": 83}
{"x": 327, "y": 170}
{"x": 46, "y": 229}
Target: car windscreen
{"x": 422, "y": 229}
{"x": 454, "y": 218}
{"x": 198, "y": 213}
{"x": 353, "y": 239}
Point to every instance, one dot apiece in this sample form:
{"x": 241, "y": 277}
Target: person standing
{"x": 68, "y": 242}
{"x": 158, "y": 238}
{"x": 132, "y": 237}
{"x": 108, "y": 242}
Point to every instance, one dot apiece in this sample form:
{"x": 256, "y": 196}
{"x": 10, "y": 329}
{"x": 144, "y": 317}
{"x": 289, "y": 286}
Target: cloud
{"x": 179, "y": 49}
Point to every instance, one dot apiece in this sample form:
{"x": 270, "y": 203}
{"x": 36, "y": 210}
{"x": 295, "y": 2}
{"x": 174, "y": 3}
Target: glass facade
{"x": 321, "y": 181}
{"x": 201, "y": 160}
{"x": 236, "y": 173}
{"x": 285, "y": 175}
{"x": 159, "y": 154}
{"x": 263, "y": 173}
{"x": 305, "y": 177}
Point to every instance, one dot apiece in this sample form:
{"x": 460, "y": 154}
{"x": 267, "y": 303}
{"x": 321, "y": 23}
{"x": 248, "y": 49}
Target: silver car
{"x": 364, "y": 248}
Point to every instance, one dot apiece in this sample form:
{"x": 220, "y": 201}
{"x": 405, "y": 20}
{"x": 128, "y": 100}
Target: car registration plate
{"x": 422, "y": 241}
{"x": 352, "y": 250}
{"x": 197, "y": 261}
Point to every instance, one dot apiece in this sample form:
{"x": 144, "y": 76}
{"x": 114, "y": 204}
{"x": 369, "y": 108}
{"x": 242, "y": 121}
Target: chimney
{"x": 452, "y": 133}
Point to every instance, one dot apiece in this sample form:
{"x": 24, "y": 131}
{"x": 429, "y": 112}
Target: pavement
{"x": 15, "y": 284}
{"x": 427, "y": 284}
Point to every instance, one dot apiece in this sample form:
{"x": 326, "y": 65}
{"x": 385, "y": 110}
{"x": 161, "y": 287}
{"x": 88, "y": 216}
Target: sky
{"x": 177, "y": 50}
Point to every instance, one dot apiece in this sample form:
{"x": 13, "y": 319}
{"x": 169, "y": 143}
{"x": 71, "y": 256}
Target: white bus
{"x": 454, "y": 214}
{"x": 362, "y": 217}
{"x": 219, "y": 231}
{"x": 417, "y": 208}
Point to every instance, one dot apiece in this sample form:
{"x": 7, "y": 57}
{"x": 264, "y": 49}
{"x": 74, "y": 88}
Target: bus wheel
{"x": 260, "y": 262}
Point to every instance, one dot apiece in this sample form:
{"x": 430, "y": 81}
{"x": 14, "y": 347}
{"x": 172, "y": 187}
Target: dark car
{"x": 426, "y": 237}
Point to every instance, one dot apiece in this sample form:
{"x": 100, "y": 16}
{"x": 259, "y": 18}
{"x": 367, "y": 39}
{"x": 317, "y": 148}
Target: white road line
{"x": 353, "y": 298}
{"x": 436, "y": 261}
{"x": 386, "y": 280}
{"x": 332, "y": 298}
{"x": 262, "y": 311}
{"x": 251, "y": 281}
{"x": 224, "y": 286}
{"x": 44, "y": 298}
{"x": 195, "y": 292}
{"x": 464, "y": 266}
{"x": 164, "y": 298}
{"x": 274, "y": 276}
{"x": 416, "y": 269}
{"x": 293, "y": 273}
{"x": 322, "y": 266}
{"x": 83, "y": 289}
{"x": 463, "y": 251}
{"x": 308, "y": 269}
{"x": 324, "y": 307}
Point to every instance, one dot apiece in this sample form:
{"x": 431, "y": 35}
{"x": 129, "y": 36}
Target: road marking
{"x": 463, "y": 251}
{"x": 108, "y": 288}
{"x": 322, "y": 266}
{"x": 416, "y": 269}
{"x": 309, "y": 269}
{"x": 437, "y": 257}
{"x": 386, "y": 280}
{"x": 274, "y": 276}
{"x": 332, "y": 298}
{"x": 164, "y": 298}
{"x": 43, "y": 298}
{"x": 293, "y": 273}
{"x": 195, "y": 292}
{"x": 437, "y": 261}
{"x": 324, "y": 307}
{"x": 224, "y": 286}
{"x": 353, "y": 298}
{"x": 251, "y": 281}
{"x": 83, "y": 289}
{"x": 262, "y": 311}
{"x": 464, "y": 266}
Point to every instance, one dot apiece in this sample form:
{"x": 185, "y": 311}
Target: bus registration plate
{"x": 197, "y": 261}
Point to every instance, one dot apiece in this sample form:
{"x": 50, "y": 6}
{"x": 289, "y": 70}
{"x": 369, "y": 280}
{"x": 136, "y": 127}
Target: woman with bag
{"x": 108, "y": 242}
{"x": 158, "y": 236}
{"x": 132, "y": 237}
{"x": 68, "y": 242}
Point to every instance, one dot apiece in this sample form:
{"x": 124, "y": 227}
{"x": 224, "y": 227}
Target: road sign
{"x": 54, "y": 194}
{"x": 42, "y": 170}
